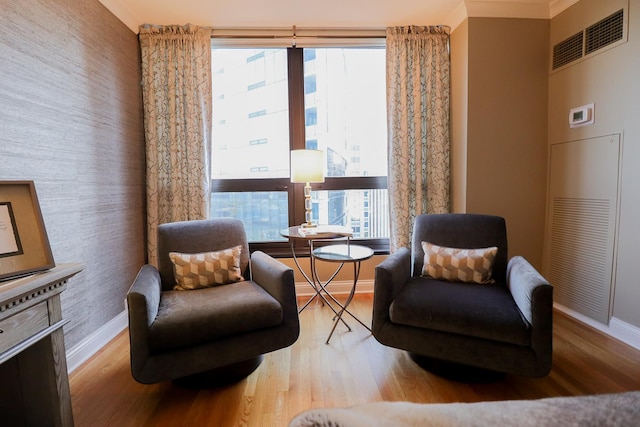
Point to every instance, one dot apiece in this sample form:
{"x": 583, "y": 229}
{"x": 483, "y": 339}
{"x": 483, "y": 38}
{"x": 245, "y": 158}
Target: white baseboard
{"x": 625, "y": 332}
{"x": 89, "y": 346}
{"x": 337, "y": 287}
{"x": 617, "y": 329}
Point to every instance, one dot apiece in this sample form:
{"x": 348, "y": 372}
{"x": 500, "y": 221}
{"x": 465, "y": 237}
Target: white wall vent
{"x": 568, "y": 50}
{"x": 603, "y": 33}
{"x": 581, "y": 224}
{"x": 579, "y": 265}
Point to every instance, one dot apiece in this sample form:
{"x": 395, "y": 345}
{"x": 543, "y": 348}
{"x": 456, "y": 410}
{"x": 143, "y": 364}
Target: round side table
{"x": 342, "y": 254}
{"x": 320, "y": 233}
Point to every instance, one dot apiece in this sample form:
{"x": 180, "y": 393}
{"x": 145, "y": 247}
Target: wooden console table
{"x": 34, "y": 390}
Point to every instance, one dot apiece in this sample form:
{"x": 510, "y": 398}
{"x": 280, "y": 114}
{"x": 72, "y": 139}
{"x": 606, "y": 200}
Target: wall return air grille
{"x": 568, "y": 50}
{"x": 603, "y": 33}
{"x": 580, "y": 237}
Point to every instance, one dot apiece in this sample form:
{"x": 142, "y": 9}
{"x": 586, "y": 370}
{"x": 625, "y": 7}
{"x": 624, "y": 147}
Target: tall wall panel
{"x": 581, "y": 231}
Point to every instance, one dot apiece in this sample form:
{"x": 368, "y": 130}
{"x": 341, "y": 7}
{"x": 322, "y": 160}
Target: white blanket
{"x": 619, "y": 410}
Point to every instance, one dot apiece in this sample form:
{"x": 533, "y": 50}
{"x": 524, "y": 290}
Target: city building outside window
{"x": 269, "y": 101}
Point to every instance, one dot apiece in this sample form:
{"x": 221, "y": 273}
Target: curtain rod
{"x": 296, "y": 34}
{"x": 292, "y": 36}
{"x": 327, "y": 36}
{"x": 294, "y": 31}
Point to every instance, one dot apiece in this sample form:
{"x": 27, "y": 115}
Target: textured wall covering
{"x": 71, "y": 120}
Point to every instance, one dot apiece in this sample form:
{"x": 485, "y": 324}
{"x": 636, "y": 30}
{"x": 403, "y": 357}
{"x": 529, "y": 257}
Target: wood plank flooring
{"x": 354, "y": 368}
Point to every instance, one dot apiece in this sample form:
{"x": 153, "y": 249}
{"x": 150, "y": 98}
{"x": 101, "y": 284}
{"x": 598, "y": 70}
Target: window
{"x": 255, "y": 57}
{"x": 331, "y": 99}
{"x": 309, "y": 55}
{"x": 256, "y": 85}
{"x": 311, "y": 116}
{"x": 258, "y": 141}
{"x": 310, "y": 84}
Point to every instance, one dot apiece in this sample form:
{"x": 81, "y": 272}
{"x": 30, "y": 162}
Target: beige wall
{"x": 506, "y": 123}
{"x": 459, "y": 115}
{"x": 610, "y": 79}
{"x": 71, "y": 120}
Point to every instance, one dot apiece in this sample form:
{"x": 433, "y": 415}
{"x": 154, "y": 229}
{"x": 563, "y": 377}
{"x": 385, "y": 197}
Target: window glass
{"x": 342, "y": 103}
{"x": 365, "y": 211}
{"x": 346, "y": 109}
{"x": 264, "y": 213}
{"x": 250, "y": 103}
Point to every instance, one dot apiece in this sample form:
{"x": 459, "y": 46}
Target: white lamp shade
{"x": 307, "y": 166}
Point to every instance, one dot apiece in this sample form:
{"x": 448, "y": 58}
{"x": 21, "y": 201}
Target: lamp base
{"x": 308, "y": 213}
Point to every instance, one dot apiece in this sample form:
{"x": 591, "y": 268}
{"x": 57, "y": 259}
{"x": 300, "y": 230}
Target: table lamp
{"x": 307, "y": 166}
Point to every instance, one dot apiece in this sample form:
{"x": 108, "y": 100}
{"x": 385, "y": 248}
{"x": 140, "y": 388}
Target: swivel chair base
{"x": 456, "y": 371}
{"x": 221, "y": 376}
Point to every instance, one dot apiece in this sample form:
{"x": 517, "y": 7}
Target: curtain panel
{"x": 176, "y": 82}
{"x": 418, "y": 91}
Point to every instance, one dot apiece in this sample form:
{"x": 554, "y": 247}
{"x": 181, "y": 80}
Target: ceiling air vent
{"x": 568, "y": 50}
{"x": 603, "y": 33}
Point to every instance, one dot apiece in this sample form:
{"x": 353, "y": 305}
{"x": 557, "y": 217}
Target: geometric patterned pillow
{"x": 207, "y": 269}
{"x": 458, "y": 265}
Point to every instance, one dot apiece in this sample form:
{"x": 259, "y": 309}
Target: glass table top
{"x": 343, "y": 253}
{"x": 317, "y": 233}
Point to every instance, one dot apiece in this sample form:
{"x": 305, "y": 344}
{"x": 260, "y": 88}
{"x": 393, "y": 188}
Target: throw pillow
{"x": 207, "y": 269}
{"x": 458, "y": 265}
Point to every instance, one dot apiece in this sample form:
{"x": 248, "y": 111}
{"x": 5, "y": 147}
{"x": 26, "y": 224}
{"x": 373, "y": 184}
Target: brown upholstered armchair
{"x": 215, "y": 333}
{"x": 505, "y": 326}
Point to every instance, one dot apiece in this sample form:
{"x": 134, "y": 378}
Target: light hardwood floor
{"x": 353, "y": 368}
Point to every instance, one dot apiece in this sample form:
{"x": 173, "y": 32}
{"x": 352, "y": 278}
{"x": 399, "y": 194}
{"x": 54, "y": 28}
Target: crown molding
{"x": 532, "y": 9}
{"x": 457, "y": 16}
{"x": 508, "y": 9}
{"x": 121, "y": 11}
{"x": 556, "y": 7}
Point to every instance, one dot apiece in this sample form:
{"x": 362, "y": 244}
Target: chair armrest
{"x": 531, "y": 292}
{"x": 534, "y": 297}
{"x": 276, "y": 278}
{"x": 143, "y": 298}
{"x": 390, "y": 276}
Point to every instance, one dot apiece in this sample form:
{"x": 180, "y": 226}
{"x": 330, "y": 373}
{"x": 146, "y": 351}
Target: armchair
{"x": 217, "y": 333}
{"x": 504, "y": 326}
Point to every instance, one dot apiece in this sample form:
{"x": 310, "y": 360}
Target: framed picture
{"x": 24, "y": 245}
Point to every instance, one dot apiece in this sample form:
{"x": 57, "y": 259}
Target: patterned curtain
{"x": 418, "y": 113}
{"x": 176, "y": 80}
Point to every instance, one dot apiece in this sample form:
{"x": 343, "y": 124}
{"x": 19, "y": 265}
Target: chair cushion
{"x": 486, "y": 311}
{"x": 202, "y": 270}
{"x": 200, "y": 316}
{"x": 458, "y": 265}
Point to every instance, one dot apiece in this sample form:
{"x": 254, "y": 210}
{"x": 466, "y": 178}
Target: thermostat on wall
{"x": 581, "y": 116}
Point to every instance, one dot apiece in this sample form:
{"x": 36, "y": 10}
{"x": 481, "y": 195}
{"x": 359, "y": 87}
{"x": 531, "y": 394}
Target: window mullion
{"x": 295, "y": 67}
{"x": 353, "y": 183}
{"x": 295, "y": 64}
{"x": 248, "y": 185}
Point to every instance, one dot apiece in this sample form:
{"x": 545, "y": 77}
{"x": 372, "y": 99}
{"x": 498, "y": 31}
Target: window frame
{"x": 297, "y": 140}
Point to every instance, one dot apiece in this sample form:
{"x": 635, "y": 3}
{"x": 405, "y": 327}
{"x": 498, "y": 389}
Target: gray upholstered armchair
{"x": 215, "y": 333}
{"x": 504, "y": 326}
